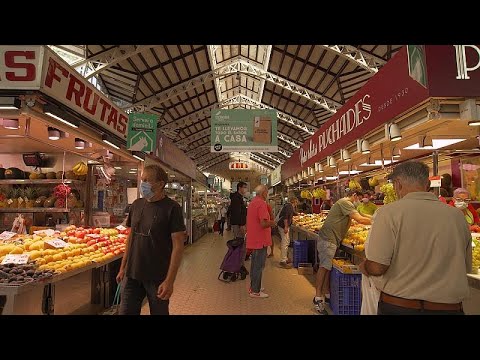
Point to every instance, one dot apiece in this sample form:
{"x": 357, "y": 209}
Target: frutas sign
{"x": 67, "y": 86}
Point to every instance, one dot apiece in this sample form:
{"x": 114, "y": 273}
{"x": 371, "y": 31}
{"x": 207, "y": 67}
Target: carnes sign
{"x": 67, "y": 86}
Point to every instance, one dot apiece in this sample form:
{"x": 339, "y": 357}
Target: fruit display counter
{"x": 50, "y": 258}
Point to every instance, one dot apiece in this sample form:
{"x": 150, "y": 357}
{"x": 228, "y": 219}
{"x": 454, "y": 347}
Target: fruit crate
{"x": 345, "y": 293}
{"x": 300, "y": 252}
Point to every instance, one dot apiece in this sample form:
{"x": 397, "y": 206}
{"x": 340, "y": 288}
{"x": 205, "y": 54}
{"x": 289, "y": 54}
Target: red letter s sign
{"x": 11, "y": 62}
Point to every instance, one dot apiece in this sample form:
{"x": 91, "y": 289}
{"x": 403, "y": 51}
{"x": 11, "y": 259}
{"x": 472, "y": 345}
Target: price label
{"x": 15, "y": 259}
{"x": 48, "y": 232}
{"x": 94, "y": 236}
{"x": 435, "y": 181}
{"x": 57, "y": 243}
{"x": 121, "y": 227}
{"x": 122, "y": 236}
{"x": 7, "y": 235}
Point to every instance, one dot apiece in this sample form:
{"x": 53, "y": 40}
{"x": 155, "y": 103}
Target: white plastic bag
{"x": 370, "y": 296}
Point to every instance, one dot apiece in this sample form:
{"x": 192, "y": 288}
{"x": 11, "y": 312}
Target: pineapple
{"x": 21, "y": 197}
{"x": 13, "y": 195}
{"x": 30, "y": 195}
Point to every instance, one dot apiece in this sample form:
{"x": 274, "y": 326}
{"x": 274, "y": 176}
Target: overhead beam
{"x": 266, "y": 62}
{"x": 365, "y": 60}
{"x": 234, "y": 66}
{"x": 272, "y": 157}
{"x": 102, "y": 61}
{"x": 212, "y": 50}
{"x": 213, "y": 162}
{"x": 262, "y": 161}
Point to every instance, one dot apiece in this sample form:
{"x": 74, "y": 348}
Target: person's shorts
{"x": 326, "y": 252}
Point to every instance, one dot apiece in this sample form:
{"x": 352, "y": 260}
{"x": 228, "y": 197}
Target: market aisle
{"x": 199, "y": 292}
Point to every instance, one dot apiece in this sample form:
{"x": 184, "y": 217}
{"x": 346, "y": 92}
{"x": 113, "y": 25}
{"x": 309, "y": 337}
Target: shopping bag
{"x": 114, "y": 309}
{"x": 370, "y": 296}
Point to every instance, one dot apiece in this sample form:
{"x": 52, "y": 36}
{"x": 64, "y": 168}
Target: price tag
{"x": 122, "y": 236}
{"x": 15, "y": 259}
{"x": 48, "y": 232}
{"x": 94, "y": 236}
{"x": 7, "y": 235}
{"x": 435, "y": 181}
{"x": 57, "y": 243}
{"x": 121, "y": 227}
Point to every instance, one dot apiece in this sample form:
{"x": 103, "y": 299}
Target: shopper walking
{"x": 259, "y": 237}
{"x": 419, "y": 263}
{"x": 154, "y": 247}
{"x": 331, "y": 235}
{"x": 222, "y": 216}
{"x": 270, "y": 211}
{"x": 286, "y": 216}
{"x": 238, "y": 216}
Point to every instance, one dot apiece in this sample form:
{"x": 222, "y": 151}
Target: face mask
{"x": 462, "y": 205}
{"x": 365, "y": 200}
{"x": 146, "y": 190}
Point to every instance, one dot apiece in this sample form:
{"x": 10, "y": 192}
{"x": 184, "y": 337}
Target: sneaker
{"x": 285, "y": 265}
{"x": 258, "y": 295}
{"x": 319, "y": 307}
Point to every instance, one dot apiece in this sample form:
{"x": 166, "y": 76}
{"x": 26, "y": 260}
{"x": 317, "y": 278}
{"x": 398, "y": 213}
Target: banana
{"x": 80, "y": 168}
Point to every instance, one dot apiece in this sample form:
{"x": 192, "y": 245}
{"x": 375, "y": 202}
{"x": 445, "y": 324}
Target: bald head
{"x": 262, "y": 191}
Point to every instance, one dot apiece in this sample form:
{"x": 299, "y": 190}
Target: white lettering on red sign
{"x": 461, "y": 58}
{"x": 351, "y": 119}
{"x": 68, "y": 86}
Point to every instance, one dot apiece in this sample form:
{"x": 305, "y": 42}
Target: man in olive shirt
{"x": 154, "y": 247}
{"x": 418, "y": 262}
{"x": 331, "y": 235}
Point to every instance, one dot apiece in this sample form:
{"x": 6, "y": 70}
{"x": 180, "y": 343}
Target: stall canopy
{"x": 413, "y": 76}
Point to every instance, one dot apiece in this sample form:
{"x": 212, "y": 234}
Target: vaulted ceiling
{"x": 183, "y": 83}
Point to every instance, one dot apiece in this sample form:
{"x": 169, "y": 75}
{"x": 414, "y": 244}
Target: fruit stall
{"x": 54, "y": 272}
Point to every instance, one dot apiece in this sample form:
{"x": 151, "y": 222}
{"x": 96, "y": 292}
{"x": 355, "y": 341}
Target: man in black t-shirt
{"x": 286, "y": 216}
{"x": 154, "y": 247}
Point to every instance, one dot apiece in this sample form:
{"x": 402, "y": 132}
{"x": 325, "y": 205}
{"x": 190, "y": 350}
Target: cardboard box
{"x": 305, "y": 269}
{"x": 101, "y": 220}
{"x": 262, "y": 130}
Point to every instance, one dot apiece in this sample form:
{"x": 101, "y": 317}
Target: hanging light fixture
{"x": 345, "y": 155}
{"x": 425, "y": 142}
{"x": 318, "y": 167}
{"x": 11, "y": 124}
{"x": 364, "y": 146}
{"x": 396, "y": 153}
{"x": 53, "y": 134}
{"x": 79, "y": 144}
{"x": 311, "y": 171}
{"x": 474, "y": 123}
{"x": 331, "y": 161}
{"x": 392, "y": 132}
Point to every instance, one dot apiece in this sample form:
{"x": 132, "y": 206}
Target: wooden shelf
{"x": 38, "y": 210}
{"x": 41, "y": 182}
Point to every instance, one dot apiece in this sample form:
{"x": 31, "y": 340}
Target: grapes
{"x": 389, "y": 191}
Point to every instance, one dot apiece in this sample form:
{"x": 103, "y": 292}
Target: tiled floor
{"x": 198, "y": 291}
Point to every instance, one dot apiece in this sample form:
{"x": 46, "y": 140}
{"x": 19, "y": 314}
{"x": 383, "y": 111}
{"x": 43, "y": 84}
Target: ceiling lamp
{"x": 396, "y": 153}
{"x": 304, "y": 174}
{"x": 10, "y": 103}
{"x": 331, "y": 161}
{"x": 107, "y": 140}
{"x": 60, "y": 115}
{"x": 363, "y": 146}
{"x": 53, "y": 134}
{"x": 425, "y": 142}
{"x": 11, "y": 124}
{"x": 345, "y": 155}
{"x": 392, "y": 132}
{"x": 318, "y": 167}
{"x": 79, "y": 144}
{"x": 474, "y": 123}
{"x": 140, "y": 156}
{"x": 311, "y": 171}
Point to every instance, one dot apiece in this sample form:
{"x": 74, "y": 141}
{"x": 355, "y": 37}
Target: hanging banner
{"x": 239, "y": 165}
{"x": 244, "y": 130}
{"x": 276, "y": 176}
{"x": 142, "y": 132}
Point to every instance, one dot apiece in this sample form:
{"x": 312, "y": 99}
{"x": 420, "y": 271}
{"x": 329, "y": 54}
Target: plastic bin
{"x": 300, "y": 252}
{"x": 345, "y": 293}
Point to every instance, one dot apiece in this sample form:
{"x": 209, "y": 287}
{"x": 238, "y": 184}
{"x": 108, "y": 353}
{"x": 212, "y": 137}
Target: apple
{"x": 96, "y": 231}
{"x": 91, "y": 242}
{"x": 71, "y": 233}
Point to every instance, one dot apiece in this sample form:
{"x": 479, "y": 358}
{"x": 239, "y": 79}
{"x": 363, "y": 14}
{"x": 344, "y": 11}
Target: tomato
{"x": 80, "y": 234}
{"x": 96, "y": 231}
{"x": 71, "y": 233}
